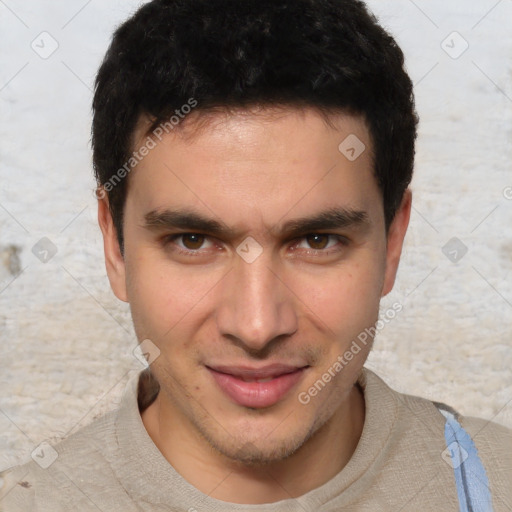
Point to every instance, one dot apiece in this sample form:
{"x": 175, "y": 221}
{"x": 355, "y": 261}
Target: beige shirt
{"x": 113, "y": 465}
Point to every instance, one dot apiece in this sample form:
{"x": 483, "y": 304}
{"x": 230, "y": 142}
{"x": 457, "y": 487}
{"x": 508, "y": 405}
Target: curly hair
{"x": 331, "y": 55}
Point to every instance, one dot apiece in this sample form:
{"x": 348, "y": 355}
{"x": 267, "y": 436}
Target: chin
{"x": 252, "y": 446}
{"x": 260, "y": 453}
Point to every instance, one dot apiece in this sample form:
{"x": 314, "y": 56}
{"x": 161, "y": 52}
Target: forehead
{"x": 262, "y": 163}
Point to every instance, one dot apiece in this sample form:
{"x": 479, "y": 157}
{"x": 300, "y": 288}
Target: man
{"x": 253, "y": 160}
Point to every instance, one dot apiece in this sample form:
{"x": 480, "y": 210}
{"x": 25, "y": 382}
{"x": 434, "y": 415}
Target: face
{"x": 255, "y": 254}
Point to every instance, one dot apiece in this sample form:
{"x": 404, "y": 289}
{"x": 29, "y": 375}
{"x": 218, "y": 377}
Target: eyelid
{"x": 343, "y": 240}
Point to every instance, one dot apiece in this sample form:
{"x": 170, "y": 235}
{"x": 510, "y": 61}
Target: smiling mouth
{"x": 257, "y": 388}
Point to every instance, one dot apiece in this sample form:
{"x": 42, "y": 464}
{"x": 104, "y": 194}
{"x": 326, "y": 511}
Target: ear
{"x": 114, "y": 261}
{"x": 395, "y": 240}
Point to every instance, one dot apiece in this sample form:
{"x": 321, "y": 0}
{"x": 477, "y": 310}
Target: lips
{"x": 257, "y": 387}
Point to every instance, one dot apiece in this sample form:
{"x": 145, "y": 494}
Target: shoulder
{"x": 487, "y": 433}
{"x": 80, "y": 471}
{"x": 58, "y": 474}
{"x": 494, "y": 445}
{"x": 421, "y": 424}
{"x": 16, "y": 492}
{"x": 409, "y": 412}
{"x": 426, "y": 411}
{"x": 422, "y": 416}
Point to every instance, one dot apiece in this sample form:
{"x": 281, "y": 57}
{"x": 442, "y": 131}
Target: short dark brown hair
{"x": 326, "y": 54}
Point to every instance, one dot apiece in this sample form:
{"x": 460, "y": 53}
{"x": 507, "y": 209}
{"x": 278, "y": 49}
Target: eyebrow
{"x": 332, "y": 218}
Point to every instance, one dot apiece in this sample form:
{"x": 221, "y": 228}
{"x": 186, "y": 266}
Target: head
{"x": 254, "y": 158}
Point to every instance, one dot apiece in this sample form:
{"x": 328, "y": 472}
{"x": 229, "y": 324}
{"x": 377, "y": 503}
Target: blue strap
{"x": 470, "y": 476}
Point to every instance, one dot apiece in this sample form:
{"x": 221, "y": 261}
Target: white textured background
{"x": 66, "y": 342}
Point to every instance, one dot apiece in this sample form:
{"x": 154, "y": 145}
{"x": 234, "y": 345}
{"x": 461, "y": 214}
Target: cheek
{"x": 153, "y": 294}
{"x": 164, "y": 299}
{"x": 345, "y": 301}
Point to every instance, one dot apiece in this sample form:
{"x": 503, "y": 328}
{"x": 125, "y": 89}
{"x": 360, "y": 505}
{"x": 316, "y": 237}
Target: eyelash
{"x": 198, "y": 252}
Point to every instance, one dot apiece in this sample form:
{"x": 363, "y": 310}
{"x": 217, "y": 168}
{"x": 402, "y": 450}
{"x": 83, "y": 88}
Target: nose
{"x": 256, "y": 306}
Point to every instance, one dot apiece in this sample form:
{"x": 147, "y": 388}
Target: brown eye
{"x": 193, "y": 241}
{"x": 318, "y": 241}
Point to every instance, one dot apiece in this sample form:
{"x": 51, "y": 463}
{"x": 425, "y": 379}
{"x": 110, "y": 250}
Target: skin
{"x": 302, "y": 301}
